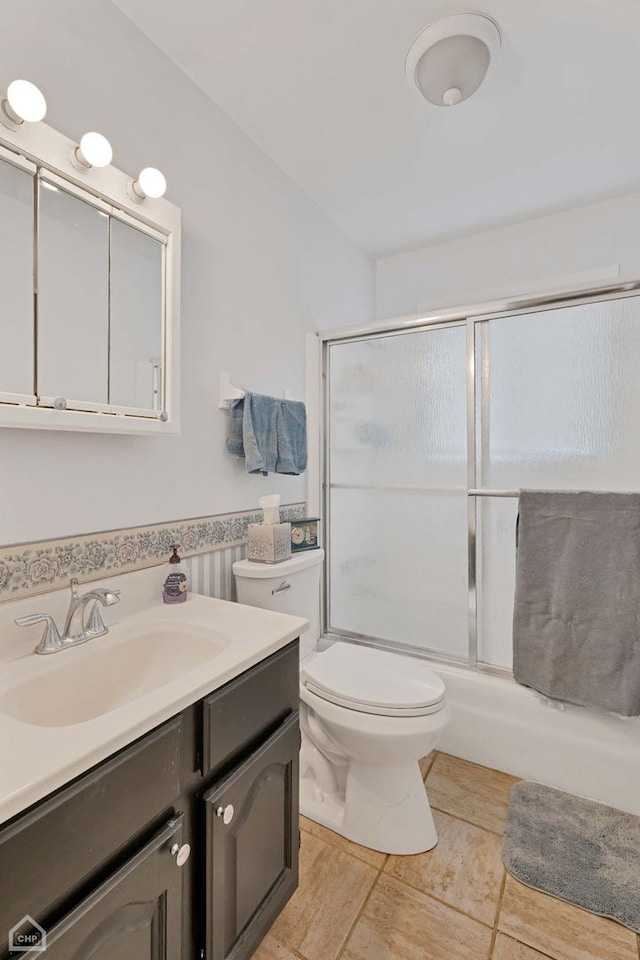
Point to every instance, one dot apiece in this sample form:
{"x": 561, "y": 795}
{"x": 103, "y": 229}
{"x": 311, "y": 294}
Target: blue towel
{"x": 259, "y": 435}
{"x": 291, "y": 429}
{"x": 235, "y": 445}
{"x": 270, "y": 433}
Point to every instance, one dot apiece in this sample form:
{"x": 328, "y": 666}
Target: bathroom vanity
{"x": 181, "y": 844}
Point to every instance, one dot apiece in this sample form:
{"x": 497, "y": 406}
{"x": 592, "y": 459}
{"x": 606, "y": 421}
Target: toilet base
{"x": 384, "y": 808}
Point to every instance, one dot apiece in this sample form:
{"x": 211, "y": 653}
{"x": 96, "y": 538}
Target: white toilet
{"x": 367, "y": 716}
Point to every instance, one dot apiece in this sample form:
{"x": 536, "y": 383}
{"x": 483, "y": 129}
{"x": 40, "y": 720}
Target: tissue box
{"x": 269, "y": 542}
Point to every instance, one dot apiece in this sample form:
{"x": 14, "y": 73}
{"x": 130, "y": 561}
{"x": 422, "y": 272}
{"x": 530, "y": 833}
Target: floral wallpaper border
{"x": 33, "y": 568}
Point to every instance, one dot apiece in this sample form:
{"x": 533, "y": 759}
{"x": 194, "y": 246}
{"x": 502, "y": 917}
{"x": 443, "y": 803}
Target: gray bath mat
{"x": 576, "y": 850}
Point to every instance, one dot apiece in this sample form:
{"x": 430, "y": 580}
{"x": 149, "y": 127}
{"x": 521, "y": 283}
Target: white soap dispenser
{"x": 174, "y": 588}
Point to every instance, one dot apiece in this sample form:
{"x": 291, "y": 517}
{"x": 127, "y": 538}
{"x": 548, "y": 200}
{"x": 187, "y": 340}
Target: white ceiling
{"x": 320, "y": 85}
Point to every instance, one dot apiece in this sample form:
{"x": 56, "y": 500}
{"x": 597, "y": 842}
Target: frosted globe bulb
{"x": 96, "y": 149}
{"x": 152, "y": 183}
{"x": 26, "y": 101}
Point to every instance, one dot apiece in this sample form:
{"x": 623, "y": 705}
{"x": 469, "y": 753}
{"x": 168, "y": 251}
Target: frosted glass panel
{"x": 398, "y": 552}
{"x": 558, "y": 398}
{"x": 398, "y": 567}
{"x": 496, "y": 578}
{"x": 16, "y": 280}
{"x": 398, "y": 410}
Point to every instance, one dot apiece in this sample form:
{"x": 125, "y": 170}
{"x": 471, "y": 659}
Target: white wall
{"x": 261, "y": 267}
{"x": 520, "y": 258}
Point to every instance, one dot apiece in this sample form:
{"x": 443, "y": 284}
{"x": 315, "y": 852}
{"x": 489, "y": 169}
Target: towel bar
{"x": 228, "y": 393}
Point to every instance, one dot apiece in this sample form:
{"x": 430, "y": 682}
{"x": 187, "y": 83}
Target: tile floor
{"x": 454, "y": 903}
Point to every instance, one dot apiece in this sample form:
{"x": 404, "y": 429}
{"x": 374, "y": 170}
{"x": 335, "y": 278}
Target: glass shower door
{"x": 556, "y": 409}
{"x": 397, "y": 490}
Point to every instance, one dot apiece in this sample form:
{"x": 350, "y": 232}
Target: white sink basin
{"x": 84, "y": 683}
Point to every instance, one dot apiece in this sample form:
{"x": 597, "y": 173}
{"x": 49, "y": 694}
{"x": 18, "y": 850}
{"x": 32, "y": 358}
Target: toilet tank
{"x": 292, "y": 586}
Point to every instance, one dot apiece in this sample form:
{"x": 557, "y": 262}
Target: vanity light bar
{"x": 25, "y": 102}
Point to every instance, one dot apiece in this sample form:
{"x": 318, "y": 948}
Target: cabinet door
{"x": 134, "y": 915}
{"x": 69, "y": 839}
{"x": 252, "y": 845}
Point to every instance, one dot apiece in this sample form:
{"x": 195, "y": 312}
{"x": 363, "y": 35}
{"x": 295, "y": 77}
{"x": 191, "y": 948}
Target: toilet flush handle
{"x": 281, "y": 589}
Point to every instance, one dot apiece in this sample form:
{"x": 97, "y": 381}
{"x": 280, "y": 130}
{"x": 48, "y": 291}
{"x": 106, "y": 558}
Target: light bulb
{"x": 452, "y": 96}
{"x": 151, "y": 183}
{"x": 96, "y": 149}
{"x": 24, "y": 102}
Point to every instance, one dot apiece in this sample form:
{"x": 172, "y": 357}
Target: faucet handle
{"x": 51, "y": 640}
{"x": 96, "y": 623}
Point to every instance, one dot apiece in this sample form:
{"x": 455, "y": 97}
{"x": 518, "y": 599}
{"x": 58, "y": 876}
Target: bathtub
{"x": 500, "y": 724}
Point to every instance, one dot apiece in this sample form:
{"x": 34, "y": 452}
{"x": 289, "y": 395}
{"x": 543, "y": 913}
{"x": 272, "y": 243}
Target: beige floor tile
{"x": 560, "y": 929}
{"x": 469, "y": 791}
{"x": 507, "y": 949}
{"x": 333, "y": 887}
{"x": 464, "y": 869}
{"x": 399, "y": 923}
{"x": 373, "y": 857}
{"x": 425, "y": 763}
{"x": 272, "y": 949}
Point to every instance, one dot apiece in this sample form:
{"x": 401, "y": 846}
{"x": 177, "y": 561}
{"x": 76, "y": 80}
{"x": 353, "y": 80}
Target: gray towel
{"x": 576, "y": 625}
{"x": 270, "y": 433}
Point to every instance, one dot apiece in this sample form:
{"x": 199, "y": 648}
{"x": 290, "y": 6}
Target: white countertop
{"x": 35, "y": 759}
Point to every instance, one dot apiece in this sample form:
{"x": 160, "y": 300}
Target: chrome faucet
{"x": 77, "y": 628}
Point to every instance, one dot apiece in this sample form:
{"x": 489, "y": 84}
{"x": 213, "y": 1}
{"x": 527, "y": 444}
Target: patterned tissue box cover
{"x": 269, "y": 542}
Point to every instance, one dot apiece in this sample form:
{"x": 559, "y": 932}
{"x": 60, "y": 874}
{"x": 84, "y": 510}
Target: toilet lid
{"x": 374, "y": 681}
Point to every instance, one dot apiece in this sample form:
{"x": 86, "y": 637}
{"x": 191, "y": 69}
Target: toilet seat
{"x": 374, "y": 681}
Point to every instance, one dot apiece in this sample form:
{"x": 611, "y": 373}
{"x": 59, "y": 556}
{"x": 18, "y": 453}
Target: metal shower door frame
{"x": 473, "y": 317}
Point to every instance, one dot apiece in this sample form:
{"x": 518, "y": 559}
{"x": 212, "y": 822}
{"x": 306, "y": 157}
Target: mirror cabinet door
{"x": 73, "y": 298}
{"x": 16, "y": 280}
{"x": 88, "y": 305}
{"x": 137, "y": 307}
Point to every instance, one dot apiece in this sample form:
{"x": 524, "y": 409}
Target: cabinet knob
{"x": 226, "y": 813}
{"x": 181, "y": 853}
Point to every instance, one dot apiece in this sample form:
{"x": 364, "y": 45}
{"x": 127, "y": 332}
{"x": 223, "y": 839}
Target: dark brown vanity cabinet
{"x": 182, "y": 846}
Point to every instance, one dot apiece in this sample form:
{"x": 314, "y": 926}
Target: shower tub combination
{"x": 432, "y": 426}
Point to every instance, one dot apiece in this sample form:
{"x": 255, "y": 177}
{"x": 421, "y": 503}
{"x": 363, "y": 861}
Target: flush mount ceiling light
{"x": 94, "y": 151}
{"x": 448, "y": 60}
{"x": 150, "y": 183}
{"x": 23, "y": 102}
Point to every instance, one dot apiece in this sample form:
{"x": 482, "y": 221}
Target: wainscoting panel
{"x": 211, "y": 574}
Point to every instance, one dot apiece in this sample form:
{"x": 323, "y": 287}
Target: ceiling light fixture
{"x": 448, "y": 60}
{"x": 23, "y": 102}
{"x": 150, "y": 183}
{"x": 94, "y": 151}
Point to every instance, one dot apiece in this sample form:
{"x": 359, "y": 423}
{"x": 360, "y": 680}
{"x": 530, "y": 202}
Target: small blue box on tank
{"x": 304, "y": 534}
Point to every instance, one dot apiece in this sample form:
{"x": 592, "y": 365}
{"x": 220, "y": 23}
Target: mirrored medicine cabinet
{"x": 89, "y": 295}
